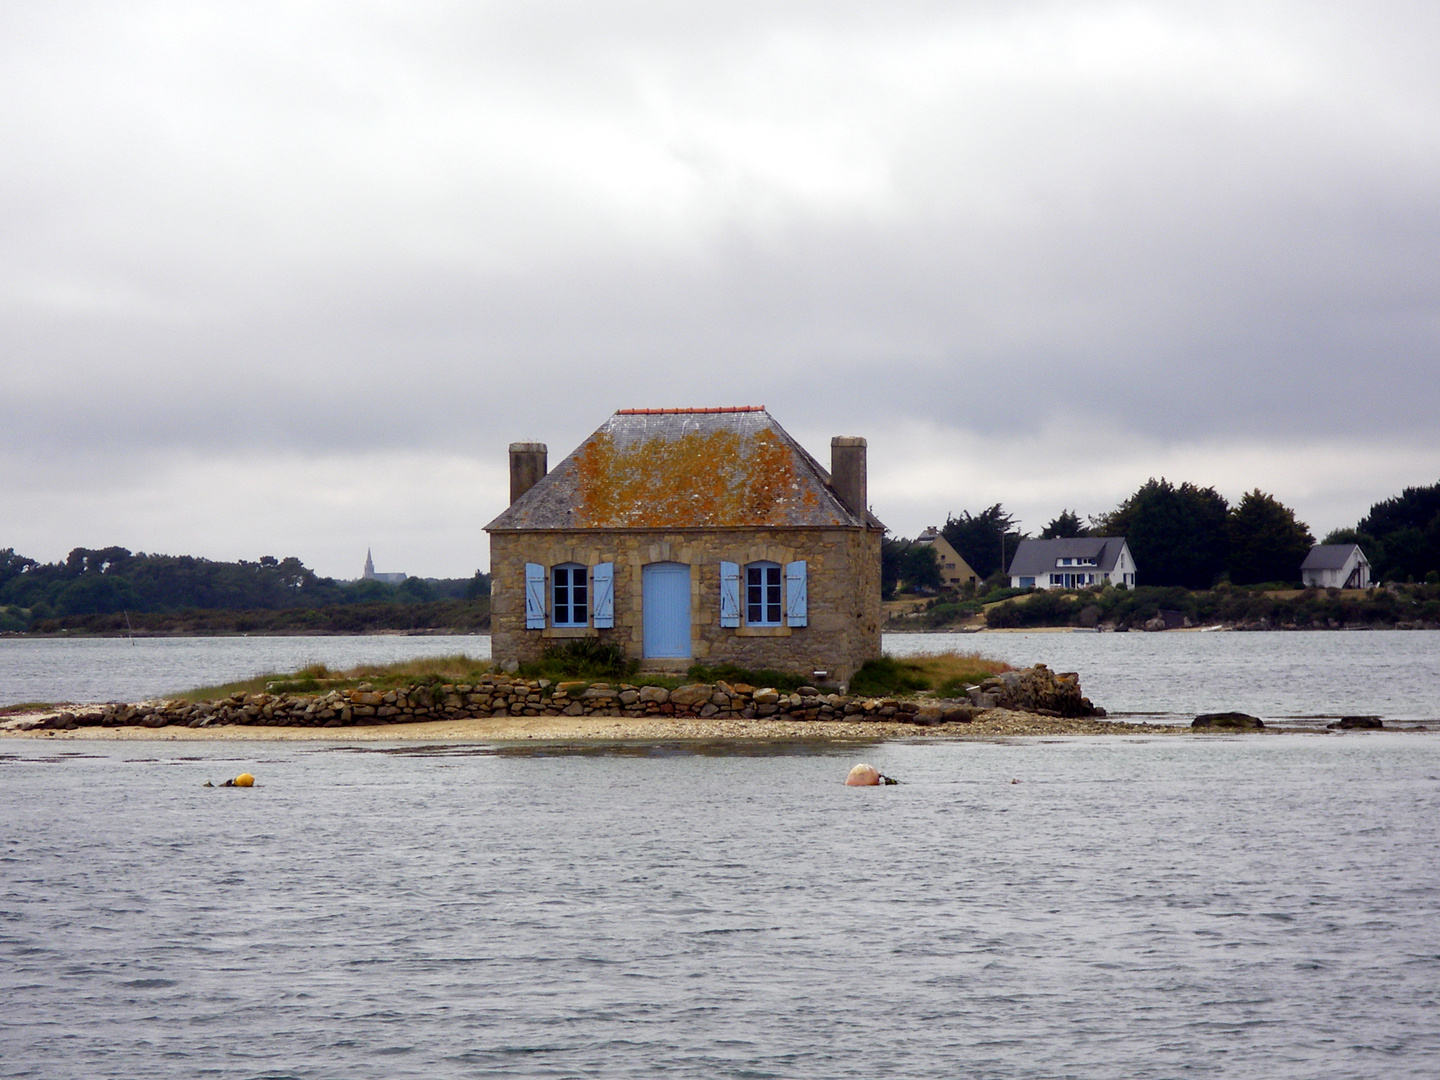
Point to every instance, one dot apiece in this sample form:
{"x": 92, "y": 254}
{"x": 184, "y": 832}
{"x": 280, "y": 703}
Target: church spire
{"x": 369, "y": 573}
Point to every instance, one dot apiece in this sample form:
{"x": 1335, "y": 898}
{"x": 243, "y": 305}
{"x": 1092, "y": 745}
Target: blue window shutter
{"x": 729, "y": 594}
{"x": 603, "y": 577}
{"x": 534, "y": 596}
{"x": 796, "y": 602}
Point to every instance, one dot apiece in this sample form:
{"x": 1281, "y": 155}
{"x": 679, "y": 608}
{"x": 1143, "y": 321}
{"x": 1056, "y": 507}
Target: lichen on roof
{"x": 681, "y": 469}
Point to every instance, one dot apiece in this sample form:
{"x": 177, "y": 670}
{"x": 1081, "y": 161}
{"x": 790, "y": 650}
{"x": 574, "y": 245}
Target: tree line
{"x": 113, "y": 580}
{"x": 1192, "y": 537}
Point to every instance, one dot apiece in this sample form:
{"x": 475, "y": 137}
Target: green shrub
{"x": 1045, "y": 608}
{"x": 582, "y": 658}
{"x": 885, "y": 676}
{"x": 942, "y": 613}
{"x": 995, "y": 595}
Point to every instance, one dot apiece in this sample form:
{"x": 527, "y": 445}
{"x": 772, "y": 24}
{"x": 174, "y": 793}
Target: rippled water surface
{"x": 1133, "y": 908}
{"x": 1169, "y": 677}
{"x": 122, "y": 669}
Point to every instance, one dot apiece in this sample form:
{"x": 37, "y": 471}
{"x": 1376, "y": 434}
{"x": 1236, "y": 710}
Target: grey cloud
{"x": 440, "y": 227}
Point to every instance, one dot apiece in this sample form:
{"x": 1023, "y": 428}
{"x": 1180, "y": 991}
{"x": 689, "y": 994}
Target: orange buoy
{"x": 863, "y": 775}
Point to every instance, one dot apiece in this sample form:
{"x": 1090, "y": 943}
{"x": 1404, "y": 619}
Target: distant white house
{"x": 1074, "y": 563}
{"x": 370, "y": 575}
{"x": 954, "y": 570}
{"x": 1336, "y": 566}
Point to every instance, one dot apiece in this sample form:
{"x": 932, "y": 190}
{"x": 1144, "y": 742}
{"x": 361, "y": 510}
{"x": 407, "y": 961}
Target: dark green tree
{"x": 97, "y": 593}
{"x": 1067, "y": 525}
{"x": 1401, "y": 536}
{"x": 1177, "y": 534}
{"x": 985, "y": 540}
{"x": 12, "y": 566}
{"x": 477, "y": 586}
{"x": 890, "y": 549}
{"x": 370, "y": 591}
{"x": 920, "y": 567}
{"x": 414, "y": 590}
{"x": 106, "y": 580}
{"x": 1266, "y": 542}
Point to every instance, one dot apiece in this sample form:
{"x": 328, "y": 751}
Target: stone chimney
{"x": 528, "y": 465}
{"x": 847, "y": 472}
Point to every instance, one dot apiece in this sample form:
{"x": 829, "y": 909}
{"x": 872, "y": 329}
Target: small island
{"x": 456, "y": 698}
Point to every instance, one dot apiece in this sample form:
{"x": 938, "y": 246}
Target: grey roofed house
{"x": 680, "y": 535}
{"x": 685, "y": 468}
{"x": 1073, "y": 563}
{"x": 1336, "y": 566}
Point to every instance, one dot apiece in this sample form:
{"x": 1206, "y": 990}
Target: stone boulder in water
{"x": 1230, "y": 721}
{"x": 1357, "y": 723}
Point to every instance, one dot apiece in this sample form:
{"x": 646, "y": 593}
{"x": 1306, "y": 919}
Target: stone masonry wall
{"x": 502, "y": 695}
{"x": 842, "y": 579}
{"x": 1035, "y": 690}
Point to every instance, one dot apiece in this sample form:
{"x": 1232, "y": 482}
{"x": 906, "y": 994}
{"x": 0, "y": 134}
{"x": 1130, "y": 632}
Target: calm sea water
{"x": 1134, "y": 908}
{"x": 1165, "y": 678}
{"x": 121, "y": 669}
{"x": 1170, "y": 677}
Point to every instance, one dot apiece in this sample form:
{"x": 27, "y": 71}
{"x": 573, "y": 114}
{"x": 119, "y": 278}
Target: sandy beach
{"x": 996, "y": 723}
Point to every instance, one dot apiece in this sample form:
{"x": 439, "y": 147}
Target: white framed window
{"x": 764, "y": 594}
{"x": 570, "y": 595}
{"x": 763, "y": 591}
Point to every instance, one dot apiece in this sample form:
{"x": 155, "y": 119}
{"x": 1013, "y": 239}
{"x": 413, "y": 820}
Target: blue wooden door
{"x": 665, "y": 603}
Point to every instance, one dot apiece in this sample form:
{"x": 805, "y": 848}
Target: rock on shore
{"x": 1036, "y": 689}
{"x": 1230, "y": 721}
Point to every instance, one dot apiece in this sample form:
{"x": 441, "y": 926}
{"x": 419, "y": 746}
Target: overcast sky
{"x": 287, "y": 278}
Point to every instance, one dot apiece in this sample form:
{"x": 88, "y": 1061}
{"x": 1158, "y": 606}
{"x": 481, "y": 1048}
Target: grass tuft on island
{"x": 942, "y": 674}
{"x": 25, "y": 707}
{"x": 317, "y": 678}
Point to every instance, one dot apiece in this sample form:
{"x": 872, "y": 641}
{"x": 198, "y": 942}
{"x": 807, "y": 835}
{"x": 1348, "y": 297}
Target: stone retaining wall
{"x": 1034, "y": 690}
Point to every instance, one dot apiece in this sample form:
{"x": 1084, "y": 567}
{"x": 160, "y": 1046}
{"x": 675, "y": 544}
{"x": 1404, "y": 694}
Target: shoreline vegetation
{"x": 1150, "y": 609}
{"x": 114, "y": 592}
{"x": 458, "y": 698}
{"x": 1145, "y": 608}
{"x": 457, "y": 617}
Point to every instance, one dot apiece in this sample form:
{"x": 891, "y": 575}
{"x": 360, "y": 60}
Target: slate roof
{"x": 1035, "y": 557}
{"x": 1329, "y": 557}
{"x": 684, "y": 469}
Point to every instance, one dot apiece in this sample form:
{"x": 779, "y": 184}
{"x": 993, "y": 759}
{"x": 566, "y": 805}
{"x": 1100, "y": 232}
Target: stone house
{"x": 954, "y": 570}
{"x": 1336, "y": 566}
{"x": 690, "y": 535}
{"x": 1074, "y": 563}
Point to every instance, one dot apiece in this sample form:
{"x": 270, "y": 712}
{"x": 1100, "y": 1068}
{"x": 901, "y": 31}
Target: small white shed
{"x": 1336, "y": 566}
